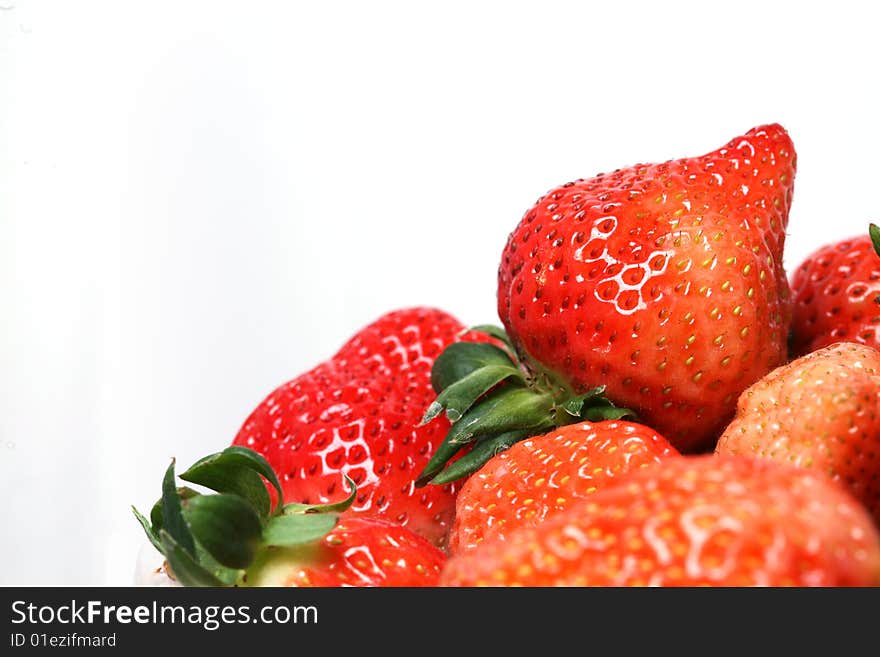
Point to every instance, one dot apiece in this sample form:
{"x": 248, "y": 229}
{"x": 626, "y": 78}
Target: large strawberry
{"x": 659, "y": 285}
{"x": 539, "y": 477}
{"x": 356, "y": 414}
{"x": 690, "y": 521}
{"x": 837, "y": 295}
{"x": 237, "y": 537}
{"x": 822, "y": 412}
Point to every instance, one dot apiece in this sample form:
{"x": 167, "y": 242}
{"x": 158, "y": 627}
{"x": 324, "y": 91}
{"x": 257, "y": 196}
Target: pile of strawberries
{"x": 663, "y": 406}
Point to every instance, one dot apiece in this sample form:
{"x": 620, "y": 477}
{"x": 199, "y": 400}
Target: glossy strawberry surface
{"x": 537, "y": 478}
{"x": 820, "y": 412}
{"x": 837, "y": 296}
{"x": 663, "y": 282}
{"x": 358, "y": 414}
{"x": 690, "y": 521}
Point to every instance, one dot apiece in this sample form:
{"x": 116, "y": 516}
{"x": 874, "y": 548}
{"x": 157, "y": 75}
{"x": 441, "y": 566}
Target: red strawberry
{"x": 356, "y": 414}
{"x": 659, "y": 286}
{"x": 237, "y": 538}
{"x": 822, "y": 412}
{"x": 837, "y": 296}
{"x": 663, "y": 282}
{"x": 688, "y": 521}
{"x": 539, "y": 477}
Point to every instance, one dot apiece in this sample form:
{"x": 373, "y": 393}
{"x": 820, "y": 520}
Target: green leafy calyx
{"x": 211, "y": 539}
{"x": 493, "y": 399}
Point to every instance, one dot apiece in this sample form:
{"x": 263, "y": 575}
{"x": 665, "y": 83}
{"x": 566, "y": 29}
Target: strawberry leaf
{"x": 482, "y": 451}
{"x": 458, "y": 397}
{"x": 229, "y": 576}
{"x": 575, "y": 405}
{"x": 154, "y": 539}
{"x": 183, "y": 492}
{"x": 461, "y": 358}
{"x": 227, "y": 526}
{"x": 172, "y": 514}
{"x": 294, "y": 507}
{"x": 608, "y": 412}
{"x": 507, "y": 409}
{"x": 444, "y": 452}
{"x": 237, "y": 470}
{"x": 874, "y": 232}
{"x": 183, "y": 565}
{"x": 224, "y": 477}
{"x": 298, "y": 529}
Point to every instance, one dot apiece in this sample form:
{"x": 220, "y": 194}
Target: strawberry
{"x": 539, "y": 477}
{"x": 356, "y": 414}
{"x": 821, "y": 412}
{"x": 657, "y": 288}
{"x": 688, "y": 521}
{"x": 236, "y": 538}
{"x": 837, "y": 295}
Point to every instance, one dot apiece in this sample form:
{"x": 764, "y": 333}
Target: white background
{"x": 200, "y": 200}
